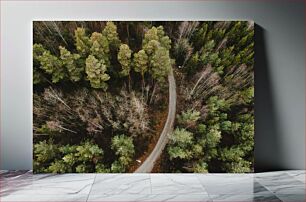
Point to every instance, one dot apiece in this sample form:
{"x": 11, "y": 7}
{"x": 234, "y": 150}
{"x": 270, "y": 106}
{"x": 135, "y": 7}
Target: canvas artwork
{"x": 143, "y": 96}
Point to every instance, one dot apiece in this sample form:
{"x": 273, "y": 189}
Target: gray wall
{"x": 279, "y": 69}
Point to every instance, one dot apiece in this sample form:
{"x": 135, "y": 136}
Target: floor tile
{"x": 176, "y": 184}
{"x": 14, "y": 181}
{"x": 48, "y": 184}
{"x": 266, "y": 198}
{"x": 281, "y": 183}
{"x": 292, "y": 197}
{"x": 260, "y": 189}
{"x": 149, "y": 198}
{"x": 216, "y": 184}
{"x": 43, "y": 198}
{"x": 287, "y": 186}
{"x": 271, "y": 175}
{"x": 121, "y": 184}
{"x": 298, "y": 175}
{"x": 245, "y": 198}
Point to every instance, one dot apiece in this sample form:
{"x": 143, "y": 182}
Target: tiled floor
{"x": 272, "y": 186}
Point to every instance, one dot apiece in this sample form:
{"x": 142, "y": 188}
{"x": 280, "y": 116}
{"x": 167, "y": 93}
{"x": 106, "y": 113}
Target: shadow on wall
{"x": 267, "y": 153}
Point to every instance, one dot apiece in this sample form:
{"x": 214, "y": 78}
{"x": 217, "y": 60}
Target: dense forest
{"x": 101, "y": 96}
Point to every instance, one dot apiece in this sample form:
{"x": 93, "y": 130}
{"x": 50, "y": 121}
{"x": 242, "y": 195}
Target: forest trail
{"x": 148, "y": 164}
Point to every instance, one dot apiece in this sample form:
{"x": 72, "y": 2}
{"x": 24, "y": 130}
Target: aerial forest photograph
{"x": 143, "y": 96}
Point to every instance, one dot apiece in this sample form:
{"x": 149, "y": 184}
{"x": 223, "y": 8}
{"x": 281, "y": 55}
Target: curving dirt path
{"x": 148, "y": 164}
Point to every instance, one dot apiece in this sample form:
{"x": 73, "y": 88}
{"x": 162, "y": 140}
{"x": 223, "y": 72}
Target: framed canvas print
{"x": 143, "y": 96}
